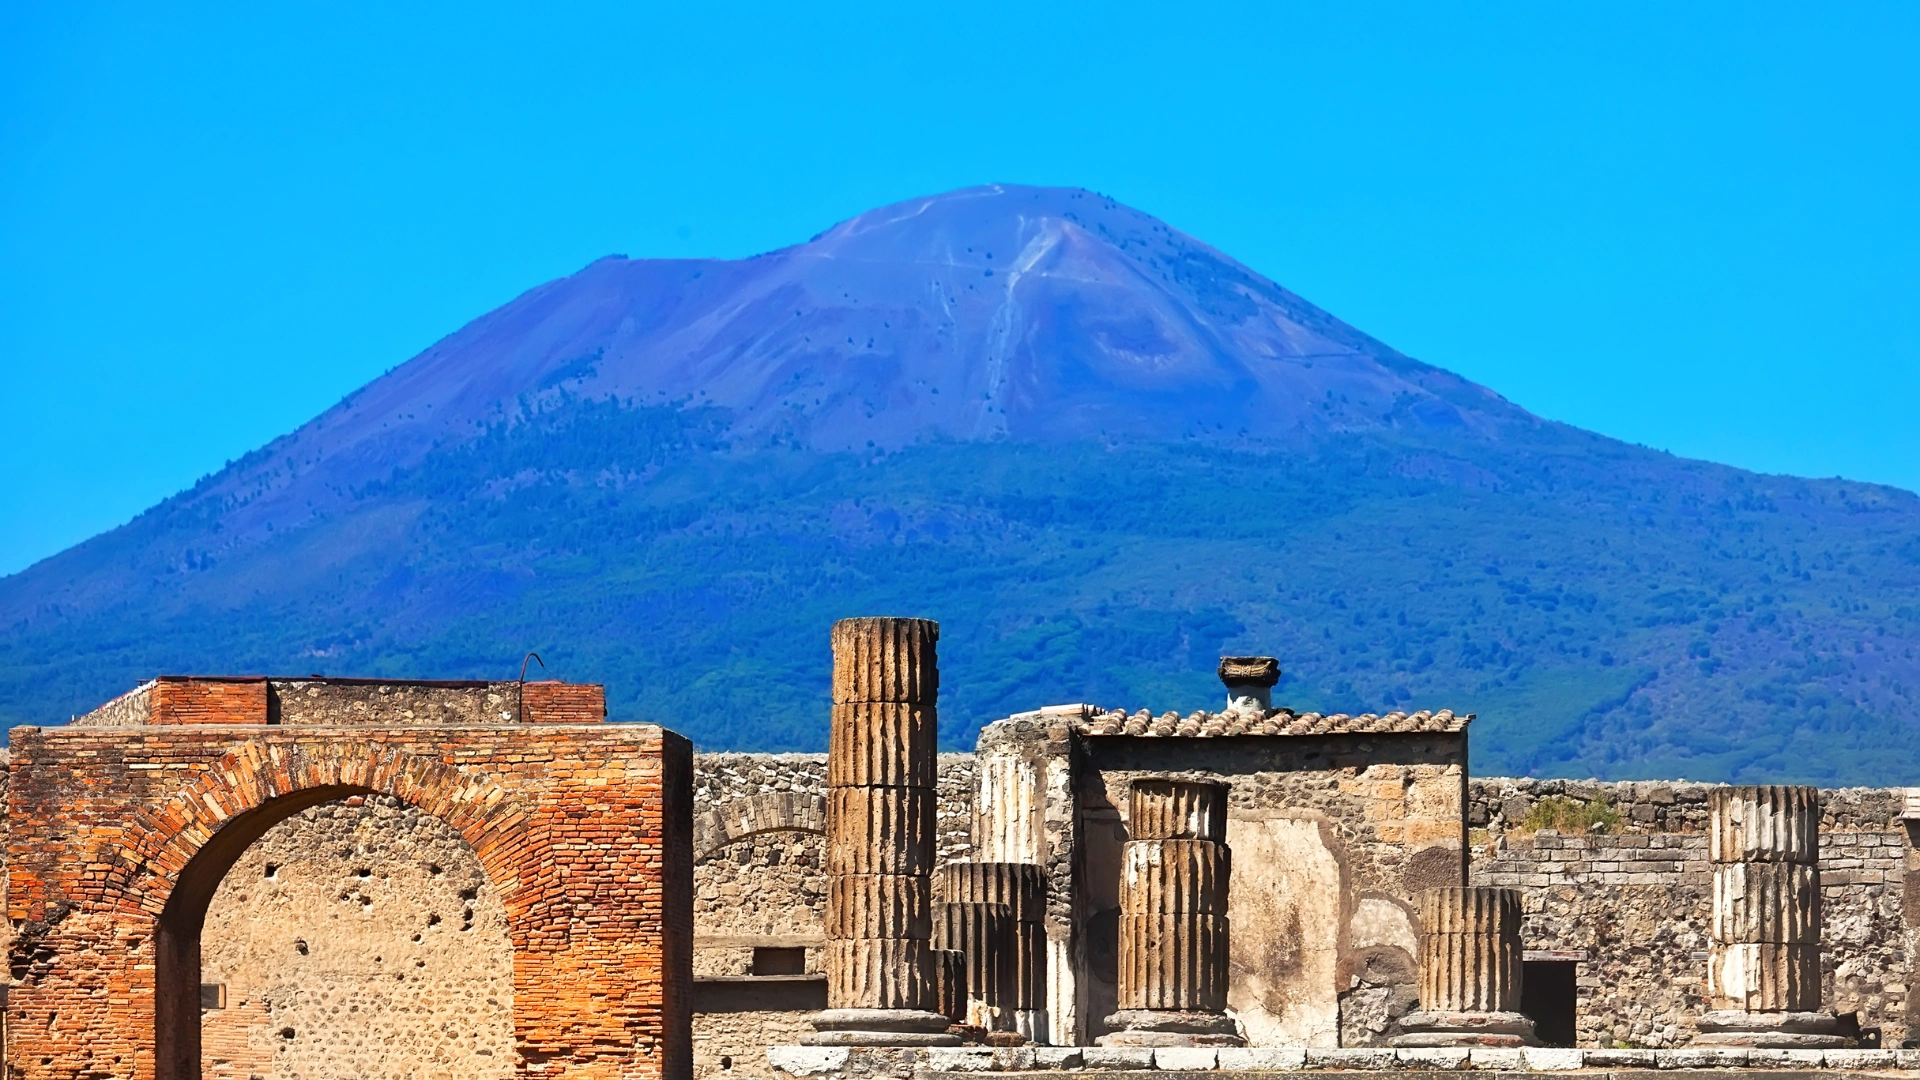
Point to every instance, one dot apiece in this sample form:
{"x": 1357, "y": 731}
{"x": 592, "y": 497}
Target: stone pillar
{"x": 882, "y": 974}
{"x": 1022, "y": 889}
{"x": 1470, "y": 969}
{"x": 1026, "y": 811}
{"x": 1173, "y": 918}
{"x": 1763, "y": 967}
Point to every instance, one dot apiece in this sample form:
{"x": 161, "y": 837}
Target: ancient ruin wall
{"x": 326, "y": 702}
{"x": 1363, "y": 822}
{"x": 1631, "y": 898}
{"x": 759, "y": 881}
{"x": 1624, "y": 884}
{"x": 359, "y": 938}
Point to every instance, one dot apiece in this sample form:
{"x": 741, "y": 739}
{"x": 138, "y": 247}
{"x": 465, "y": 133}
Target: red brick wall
{"x": 585, "y": 831}
{"x": 563, "y": 703}
{"x": 190, "y": 700}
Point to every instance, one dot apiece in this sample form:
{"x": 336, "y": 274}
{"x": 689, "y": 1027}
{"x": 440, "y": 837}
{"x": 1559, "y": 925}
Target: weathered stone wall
{"x": 759, "y": 881}
{"x": 342, "y": 703}
{"x": 130, "y": 708}
{"x": 358, "y": 938}
{"x": 1631, "y": 896}
{"x": 1334, "y": 836}
{"x": 1502, "y": 804}
{"x": 1633, "y": 901}
{"x": 734, "y": 1025}
{"x": 765, "y": 890}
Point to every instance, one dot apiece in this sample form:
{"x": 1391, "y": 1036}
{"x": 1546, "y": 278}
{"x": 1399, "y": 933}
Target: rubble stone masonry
{"x": 328, "y": 702}
{"x": 760, "y": 882}
{"x": 1632, "y": 902}
{"x": 1632, "y": 899}
{"x": 358, "y": 938}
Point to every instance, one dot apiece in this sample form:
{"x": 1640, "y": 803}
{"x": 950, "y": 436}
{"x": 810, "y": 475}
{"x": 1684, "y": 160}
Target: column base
{"x": 1440, "y": 1029}
{"x": 1168, "y": 1027}
{"x": 1769, "y": 1030}
{"x": 880, "y": 1027}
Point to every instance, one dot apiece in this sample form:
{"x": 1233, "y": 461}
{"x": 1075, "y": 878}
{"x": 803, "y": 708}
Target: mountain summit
{"x": 1002, "y": 312}
{"x": 1099, "y": 450}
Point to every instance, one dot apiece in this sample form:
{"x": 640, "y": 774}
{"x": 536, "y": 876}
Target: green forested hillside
{"x": 1606, "y": 610}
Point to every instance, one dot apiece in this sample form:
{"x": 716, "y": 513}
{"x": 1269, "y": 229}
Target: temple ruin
{"x": 281, "y": 878}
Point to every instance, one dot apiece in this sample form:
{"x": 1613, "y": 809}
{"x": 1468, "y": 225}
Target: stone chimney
{"x": 1250, "y": 681}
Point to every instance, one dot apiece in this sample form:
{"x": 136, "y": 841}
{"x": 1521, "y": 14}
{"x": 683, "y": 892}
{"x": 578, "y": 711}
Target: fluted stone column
{"x": 1020, "y": 888}
{"x": 883, "y": 986}
{"x": 983, "y": 934}
{"x": 1763, "y": 967}
{"x": 951, "y": 984}
{"x": 1173, "y": 918}
{"x": 1470, "y": 971}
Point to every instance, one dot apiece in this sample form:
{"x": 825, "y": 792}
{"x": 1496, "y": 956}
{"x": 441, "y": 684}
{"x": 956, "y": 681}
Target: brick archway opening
{"x": 179, "y": 927}
{"x": 122, "y": 835}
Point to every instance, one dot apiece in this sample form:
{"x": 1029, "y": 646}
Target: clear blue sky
{"x": 1691, "y": 226}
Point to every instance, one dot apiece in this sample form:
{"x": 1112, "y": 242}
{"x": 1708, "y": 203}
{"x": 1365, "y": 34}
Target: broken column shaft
{"x": 983, "y": 934}
{"x": 1763, "y": 967}
{"x": 950, "y": 984}
{"x": 882, "y": 977}
{"x": 1470, "y": 971}
{"x": 1173, "y": 918}
{"x": 1013, "y": 991}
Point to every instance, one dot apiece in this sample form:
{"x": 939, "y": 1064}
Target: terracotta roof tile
{"x": 1092, "y": 720}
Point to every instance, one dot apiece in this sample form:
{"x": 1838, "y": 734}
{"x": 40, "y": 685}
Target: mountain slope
{"x": 1098, "y": 450}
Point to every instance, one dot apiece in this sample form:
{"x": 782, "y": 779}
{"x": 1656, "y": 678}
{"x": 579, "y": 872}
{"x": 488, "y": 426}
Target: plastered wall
{"x": 1333, "y": 839}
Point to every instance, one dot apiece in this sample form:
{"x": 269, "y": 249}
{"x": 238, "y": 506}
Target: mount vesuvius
{"x": 1098, "y": 451}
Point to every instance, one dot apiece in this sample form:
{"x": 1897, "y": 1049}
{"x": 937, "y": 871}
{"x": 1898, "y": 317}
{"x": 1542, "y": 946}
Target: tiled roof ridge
{"x": 1093, "y": 720}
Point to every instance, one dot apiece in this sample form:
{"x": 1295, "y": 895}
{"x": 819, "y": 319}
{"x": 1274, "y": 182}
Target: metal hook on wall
{"x": 520, "y": 707}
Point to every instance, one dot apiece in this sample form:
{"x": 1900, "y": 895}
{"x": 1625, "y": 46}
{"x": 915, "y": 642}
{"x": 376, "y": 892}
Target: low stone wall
{"x": 1501, "y": 804}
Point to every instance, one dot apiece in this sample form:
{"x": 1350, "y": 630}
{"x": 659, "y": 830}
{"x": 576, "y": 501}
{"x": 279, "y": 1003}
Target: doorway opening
{"x": 1549, "y": 995}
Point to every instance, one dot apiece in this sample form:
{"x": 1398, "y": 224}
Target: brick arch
{"x": 261, "y": 783}
{"x": 119, "y": 836}
{"x": 178, "y": 851}
{"x": 774, "y": 811}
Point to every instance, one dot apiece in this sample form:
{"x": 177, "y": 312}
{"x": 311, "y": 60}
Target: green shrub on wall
{"x": 1573, "y": 816}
